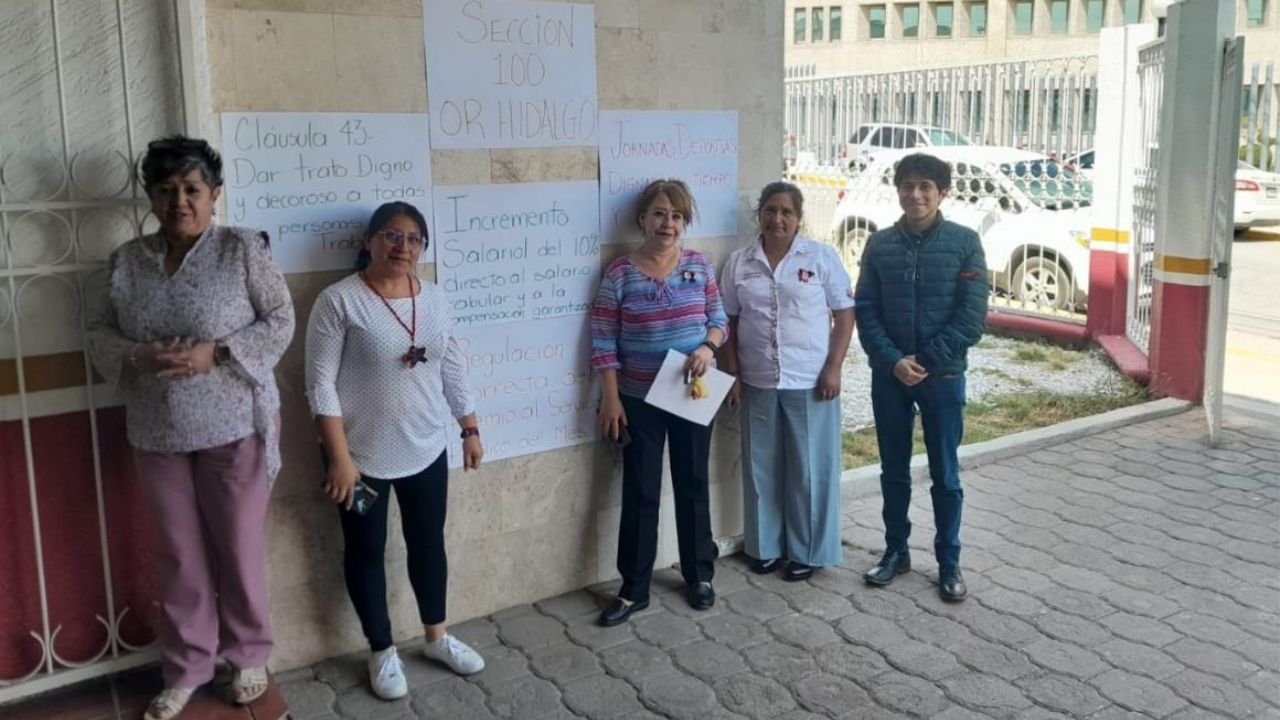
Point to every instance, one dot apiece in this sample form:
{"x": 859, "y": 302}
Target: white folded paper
{"x": 669, "y": 391}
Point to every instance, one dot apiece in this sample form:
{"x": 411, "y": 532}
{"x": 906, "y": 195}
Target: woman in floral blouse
{"x": 195, "y": 318}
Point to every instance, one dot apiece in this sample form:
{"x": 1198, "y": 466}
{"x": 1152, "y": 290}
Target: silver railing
{"x": 1145, "y": 201}
{"x": 1045, "y": 105}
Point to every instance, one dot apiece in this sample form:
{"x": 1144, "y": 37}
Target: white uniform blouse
{"x": 784, "y": 313}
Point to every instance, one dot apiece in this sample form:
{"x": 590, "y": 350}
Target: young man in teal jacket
{"x": 922, "y": 302}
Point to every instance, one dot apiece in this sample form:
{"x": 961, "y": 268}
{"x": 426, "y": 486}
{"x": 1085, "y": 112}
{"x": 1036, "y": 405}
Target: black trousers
{"x": 690, "y": 447}
{"x": 423, "y": 499}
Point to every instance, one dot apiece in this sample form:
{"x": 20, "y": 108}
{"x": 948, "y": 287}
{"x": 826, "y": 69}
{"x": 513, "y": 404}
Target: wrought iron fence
{"x": 1260, "y": 117}
{"x": 1145, "y": 201}
{"x": 1045, "y": 105}
{"x": 91, "y": 83}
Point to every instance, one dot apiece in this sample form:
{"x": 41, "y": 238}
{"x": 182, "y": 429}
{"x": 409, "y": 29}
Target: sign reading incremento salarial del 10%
{"x": 511, "y": 253}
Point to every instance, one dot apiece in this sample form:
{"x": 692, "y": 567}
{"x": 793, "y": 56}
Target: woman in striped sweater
{"x": 656, "y": 298}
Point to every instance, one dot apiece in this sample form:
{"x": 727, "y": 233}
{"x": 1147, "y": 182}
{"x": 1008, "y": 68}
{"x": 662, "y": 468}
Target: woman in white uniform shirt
{"x": 383, "y": 414}
{"x": 790, "y": 307}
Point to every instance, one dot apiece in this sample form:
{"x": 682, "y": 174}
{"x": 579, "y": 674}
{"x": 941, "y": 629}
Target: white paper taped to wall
{"x": 510, "y": 74}
{"x": 311, "y": 180}
{"x": 532, "y": 385}
{"x": 514, "y": 253}
{"x": 700, "y": 148}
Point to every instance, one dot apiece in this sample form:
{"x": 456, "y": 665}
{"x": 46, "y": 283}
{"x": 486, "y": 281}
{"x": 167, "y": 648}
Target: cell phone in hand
{"x": 362, "y": 498}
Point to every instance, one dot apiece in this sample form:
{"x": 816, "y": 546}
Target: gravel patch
{"x": 993, "y": 370}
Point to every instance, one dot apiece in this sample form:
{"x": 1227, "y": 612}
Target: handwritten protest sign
{"x": 532, "y": 386}
{"x": 506, "y": 74}
{"x": 509, "y": 253}
{"x": 311, "y": 180}
{"x": 700, "y": 148}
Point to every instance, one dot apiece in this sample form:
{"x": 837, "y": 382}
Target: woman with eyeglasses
{"x": 386, "y": 379}
{"x": 790, "y": 309}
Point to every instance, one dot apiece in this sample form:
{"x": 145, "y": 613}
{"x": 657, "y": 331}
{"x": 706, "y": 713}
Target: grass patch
{"x": 1004, "y": 414}
{"x": 1054, "y": 357}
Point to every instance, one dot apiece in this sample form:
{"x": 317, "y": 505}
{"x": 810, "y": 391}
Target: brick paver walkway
{"x": 1130, "y": 575}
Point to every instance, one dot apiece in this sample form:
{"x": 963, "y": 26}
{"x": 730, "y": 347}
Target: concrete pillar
{"x": 1117, "y": 152}
{"x": 1194, "y": 37}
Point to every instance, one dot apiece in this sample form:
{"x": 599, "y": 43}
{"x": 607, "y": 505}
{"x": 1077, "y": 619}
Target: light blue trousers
{"x": 791, "y": 476}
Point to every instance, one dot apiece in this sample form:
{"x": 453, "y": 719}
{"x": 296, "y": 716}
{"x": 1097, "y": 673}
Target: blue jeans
{"x": 940, "y": 402}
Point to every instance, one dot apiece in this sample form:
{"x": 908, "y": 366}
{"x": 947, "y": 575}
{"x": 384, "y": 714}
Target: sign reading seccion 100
{"x": 510, "y": 74}
{"x": 311, "y": 180}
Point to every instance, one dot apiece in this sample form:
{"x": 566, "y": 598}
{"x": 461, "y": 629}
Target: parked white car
{"x": 1031, "y": 212}
{"x": 873, "y": 138}
{"x": 1257, "y": 195}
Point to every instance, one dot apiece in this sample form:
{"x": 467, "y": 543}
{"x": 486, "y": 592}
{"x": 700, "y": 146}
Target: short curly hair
{"x": 179, "y": 155}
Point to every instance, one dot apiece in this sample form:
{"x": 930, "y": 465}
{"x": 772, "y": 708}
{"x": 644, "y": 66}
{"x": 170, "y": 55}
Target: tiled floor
{"x": 126, "y": 697}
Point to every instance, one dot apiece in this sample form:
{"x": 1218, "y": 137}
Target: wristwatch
{"x": 221, "y": 353}
{"x": 469, "y": 431}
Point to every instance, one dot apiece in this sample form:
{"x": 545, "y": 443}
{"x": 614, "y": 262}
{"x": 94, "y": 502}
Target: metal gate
{"x": 85, "y": 83}
{"x": 1145, "y": 204}
{"x": 1227, "y": 143}
{"x": 1045, "y": 105}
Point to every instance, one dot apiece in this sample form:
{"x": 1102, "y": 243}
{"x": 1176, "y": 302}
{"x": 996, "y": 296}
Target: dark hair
{"x": 926, "y": 166}
{"x": 179, "y": 155}
{"x": 384, "y": 215}
{"x": 780, "y": 187}
{"x": 675, "y": 190}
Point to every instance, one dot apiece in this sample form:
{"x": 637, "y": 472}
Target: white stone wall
{"x": 535, "y": 526}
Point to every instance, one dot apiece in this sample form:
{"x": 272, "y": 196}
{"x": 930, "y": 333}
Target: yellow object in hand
{"x": 697, "y": 389}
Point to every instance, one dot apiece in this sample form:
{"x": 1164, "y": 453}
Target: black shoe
{"x": 764, "y": 567}
{"x": 701, "y": 596}
{"x": 796, "y": 572}
{"x": 618, "y": 612}
{"x": 891, "y": 565}
{"x": 951, "y": 585}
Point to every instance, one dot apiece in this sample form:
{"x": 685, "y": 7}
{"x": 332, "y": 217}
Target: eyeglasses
{"x": 395, "y": 237}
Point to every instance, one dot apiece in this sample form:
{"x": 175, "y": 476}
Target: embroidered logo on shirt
{"x": 689, "y": 276}
{"x": 804, "y": 275}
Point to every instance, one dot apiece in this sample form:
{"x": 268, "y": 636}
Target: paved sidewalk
{"x": 1134, "y": 574}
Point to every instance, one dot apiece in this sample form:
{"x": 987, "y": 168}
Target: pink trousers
{"x": 210, "y": 511}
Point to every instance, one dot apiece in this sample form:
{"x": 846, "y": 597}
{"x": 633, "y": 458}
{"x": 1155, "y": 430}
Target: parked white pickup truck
{"x": 1031, "y": 213}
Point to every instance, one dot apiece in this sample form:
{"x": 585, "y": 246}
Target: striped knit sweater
{"x": 635, "y": 319}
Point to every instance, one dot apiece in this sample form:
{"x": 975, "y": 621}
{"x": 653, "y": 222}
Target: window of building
{"x": 943, "y": 17}
{"x": 1255, "y": 13}
{"x": 799, "y": 28}
{"x": 1132, "y": 11}
{"x": 1023, "y": 17}
{"x": 836, "y": 19}
{"x": 1058, "y": 16}
{"x": 977, "y": 19}
{"x": 816, "y": 16}
{"x": 1095, "y": 14}
{"x": 875, "y": 22}
{"x": 910, "y": 21}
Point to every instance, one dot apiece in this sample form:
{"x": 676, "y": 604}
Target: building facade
{"x": 826, "y": 39}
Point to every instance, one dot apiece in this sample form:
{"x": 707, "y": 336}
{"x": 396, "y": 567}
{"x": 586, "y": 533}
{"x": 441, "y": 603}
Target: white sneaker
{"x": 386, "y": 675}
{"x": 456, "y": 654}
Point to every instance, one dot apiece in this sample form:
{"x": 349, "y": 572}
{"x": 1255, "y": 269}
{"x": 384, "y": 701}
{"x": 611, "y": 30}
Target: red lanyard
{"x": 411, "y": 328}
